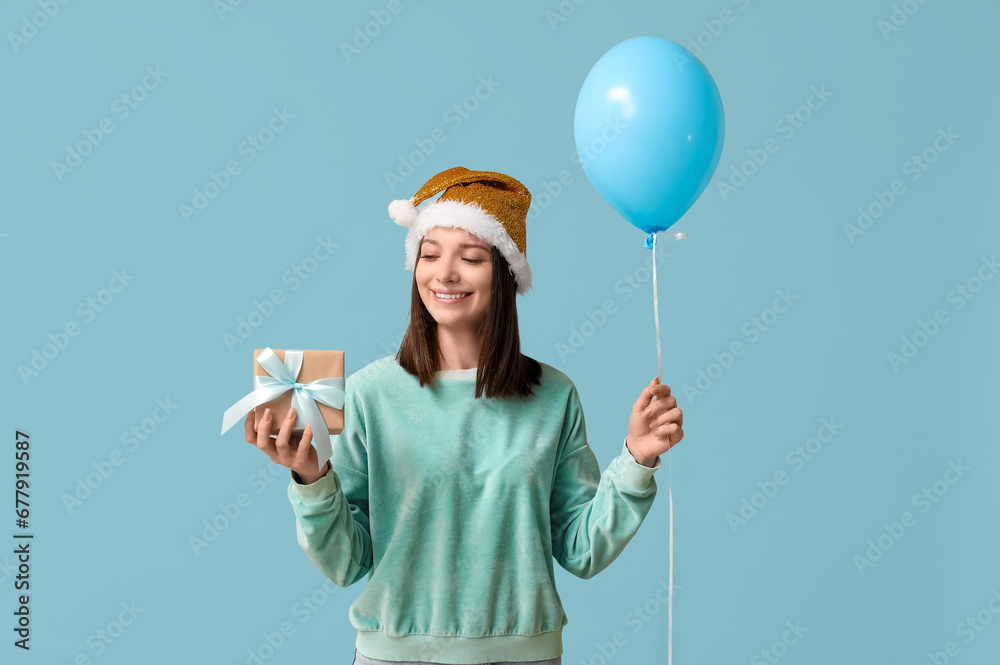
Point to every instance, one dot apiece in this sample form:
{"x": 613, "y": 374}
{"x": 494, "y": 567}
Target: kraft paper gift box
{"x": 316, "y": 364}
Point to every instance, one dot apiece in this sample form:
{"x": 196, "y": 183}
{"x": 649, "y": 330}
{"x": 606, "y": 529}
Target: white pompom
{"x": 403, "y": 212}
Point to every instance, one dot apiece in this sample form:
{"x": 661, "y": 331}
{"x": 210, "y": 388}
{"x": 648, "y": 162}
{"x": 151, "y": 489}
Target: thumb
{"x": 645, "y": 397}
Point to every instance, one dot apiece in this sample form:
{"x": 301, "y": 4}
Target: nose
{"x": 450, "y": 270}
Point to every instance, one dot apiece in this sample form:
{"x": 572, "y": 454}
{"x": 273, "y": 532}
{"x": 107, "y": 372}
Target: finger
{"x": 251, "y": 433}
{"x": 281, "y": 444}
{"x": 659, "y": 405}
{"x": 673, "y": 415}
{"x": 671, "y": 432}
{"x": 305, "y": 445}
{"x": 660, "y": 393}
{"x": 264, "y": 433}
{"x": 645, "y": 397}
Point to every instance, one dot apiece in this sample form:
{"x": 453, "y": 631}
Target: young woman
{"x": 464, "y": 468}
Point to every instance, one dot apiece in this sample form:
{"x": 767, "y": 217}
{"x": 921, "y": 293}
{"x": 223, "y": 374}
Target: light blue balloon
{"x": 649, "y": 129}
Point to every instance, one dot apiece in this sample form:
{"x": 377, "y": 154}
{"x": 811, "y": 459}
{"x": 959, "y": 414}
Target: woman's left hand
{"x": 655, "y": 425}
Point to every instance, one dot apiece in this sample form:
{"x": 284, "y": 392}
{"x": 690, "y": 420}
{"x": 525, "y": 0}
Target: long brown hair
{"x": 503, "y": 369}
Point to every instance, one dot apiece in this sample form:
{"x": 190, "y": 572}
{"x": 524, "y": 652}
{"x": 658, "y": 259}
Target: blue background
{"x": 356, "y": 117}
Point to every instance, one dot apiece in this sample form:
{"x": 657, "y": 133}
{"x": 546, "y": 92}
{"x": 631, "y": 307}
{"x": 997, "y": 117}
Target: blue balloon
{"x": 649, "y": 129}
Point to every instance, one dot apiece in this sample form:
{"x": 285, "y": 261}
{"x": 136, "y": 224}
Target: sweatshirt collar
{"x": 459, "y": 374}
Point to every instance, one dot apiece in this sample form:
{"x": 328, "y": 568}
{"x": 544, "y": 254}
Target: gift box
{"x": 311, "y": 382}
{"x": 315, "y": 364}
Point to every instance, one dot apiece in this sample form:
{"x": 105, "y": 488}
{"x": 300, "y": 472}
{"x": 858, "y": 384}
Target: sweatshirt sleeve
{"x": 331, "y": 514}
{"x": 594, "y": 515}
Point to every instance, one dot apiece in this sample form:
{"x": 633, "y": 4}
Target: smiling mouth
{"x": 449, "y": 298}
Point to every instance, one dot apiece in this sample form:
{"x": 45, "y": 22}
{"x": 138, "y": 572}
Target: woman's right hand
{"x": 288, "y": 449}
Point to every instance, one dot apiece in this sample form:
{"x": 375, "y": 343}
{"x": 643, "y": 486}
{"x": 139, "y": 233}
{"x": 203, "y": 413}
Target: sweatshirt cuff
{"x": 633, "y": 473}
{"x": 318, "y": 491}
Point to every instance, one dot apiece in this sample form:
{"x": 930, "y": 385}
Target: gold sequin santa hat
{"x": 490, "y": 205}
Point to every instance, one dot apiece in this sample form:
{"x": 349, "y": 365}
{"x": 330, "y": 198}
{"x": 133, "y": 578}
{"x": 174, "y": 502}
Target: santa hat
{"x": 492, "y": 206}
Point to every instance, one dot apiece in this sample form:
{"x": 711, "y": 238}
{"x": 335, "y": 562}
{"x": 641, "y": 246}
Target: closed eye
{"x": 428, "y": 256}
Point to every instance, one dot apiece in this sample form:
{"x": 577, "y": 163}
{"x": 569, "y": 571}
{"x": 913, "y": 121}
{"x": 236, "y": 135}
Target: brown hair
{"x": 503, "y": 369}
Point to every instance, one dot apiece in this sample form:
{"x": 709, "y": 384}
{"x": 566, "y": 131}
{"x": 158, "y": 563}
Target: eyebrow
{"x": 463, "y": 245}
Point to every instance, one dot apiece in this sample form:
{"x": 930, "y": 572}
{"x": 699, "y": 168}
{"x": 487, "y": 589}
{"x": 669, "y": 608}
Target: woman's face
{"x": 453, "y": 261}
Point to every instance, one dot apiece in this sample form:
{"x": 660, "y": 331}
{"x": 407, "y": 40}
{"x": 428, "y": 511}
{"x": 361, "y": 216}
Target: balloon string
{"x": 656, "y": 317}
{"x": 670, "y": 491}
{"x": 670, "y": 580}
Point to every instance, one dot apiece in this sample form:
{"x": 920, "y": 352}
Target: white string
{"x": 656, "y": 317}
{"x": 670, "y": 491}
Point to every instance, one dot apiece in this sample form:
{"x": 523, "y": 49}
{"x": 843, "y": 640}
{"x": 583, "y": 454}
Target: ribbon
{"x": 651, "y": 240}
{"x": 650, "y": 243}
{"x": 283, "y": 375}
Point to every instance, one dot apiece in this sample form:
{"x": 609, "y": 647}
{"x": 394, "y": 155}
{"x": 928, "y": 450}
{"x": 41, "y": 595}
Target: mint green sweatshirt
{"x": 454, "y": 507}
